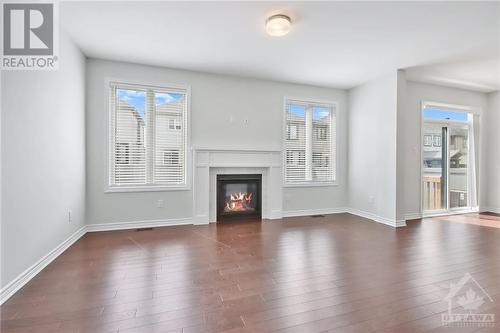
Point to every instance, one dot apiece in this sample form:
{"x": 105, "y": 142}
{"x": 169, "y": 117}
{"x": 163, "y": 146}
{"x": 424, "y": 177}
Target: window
{"x": 296, "y": 157}
{"x": 436, "y": 141}
{"x": 122, "y": 153}
{"x": 301, "y": 157}
{"x": 174, "y": 124}
{"x": 292, "y": 132}
{"x": 428, "y": 140}
{"x": 171, "y": 157}
{"x": 321, "y": 133}
{"x": 148, "y": 138}
{"x": 320, "y": 159}
{"x": 310, "y": 147}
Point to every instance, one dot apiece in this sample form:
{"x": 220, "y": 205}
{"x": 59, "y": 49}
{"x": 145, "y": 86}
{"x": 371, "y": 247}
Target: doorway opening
{"x": 448, "y": 160}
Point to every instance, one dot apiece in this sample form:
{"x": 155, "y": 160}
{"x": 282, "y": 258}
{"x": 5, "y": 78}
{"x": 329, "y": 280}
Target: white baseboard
{"x": 23, "y": 278}
{"x": 309, "y": 212}
{"x": 28, "y": 274}
{"x": 138, "y": 224}
{"x": 32, "y": 271}
{"x": 200, "y": 219}
{"x": 275, "y": 215}
{"x": 370, "y": 216}
{"x": 451, "y": 212}
{"x": 413, "y": 216}
{"x": 490, "y": 209}
{"x": 377, "y": 218}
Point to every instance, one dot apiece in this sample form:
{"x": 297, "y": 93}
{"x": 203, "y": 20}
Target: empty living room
{"x": 250, "y": 166}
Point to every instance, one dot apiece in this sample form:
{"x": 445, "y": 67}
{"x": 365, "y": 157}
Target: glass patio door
{"x": 458, "y": 153}
{"x": 434, "y": 175}
{"x": 445, "y": 158}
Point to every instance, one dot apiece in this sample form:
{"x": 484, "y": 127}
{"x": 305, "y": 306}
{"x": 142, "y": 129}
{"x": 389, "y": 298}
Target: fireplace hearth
{"x": 239, "y": 196}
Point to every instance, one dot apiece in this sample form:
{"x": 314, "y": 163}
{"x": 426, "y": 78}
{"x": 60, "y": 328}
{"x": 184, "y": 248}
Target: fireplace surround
{"x": 210, "y": 162}
{"x": 239, "y": 196}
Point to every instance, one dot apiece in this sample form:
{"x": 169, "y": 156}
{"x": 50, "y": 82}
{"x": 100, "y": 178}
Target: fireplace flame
{"x": 238, "y": 202}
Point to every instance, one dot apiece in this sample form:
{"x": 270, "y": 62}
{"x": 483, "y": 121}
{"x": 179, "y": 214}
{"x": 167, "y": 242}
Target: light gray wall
{"x": 410, "y": 126}
{"x": 43, "y": 159}
{"x": 493, "y": 153}
{"x": 372, "y": 147}
{"x": 400, "y": 144}
{"x": 219, "y": 106}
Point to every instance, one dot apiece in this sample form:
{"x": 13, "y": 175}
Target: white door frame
{"x": 448, "y": 124}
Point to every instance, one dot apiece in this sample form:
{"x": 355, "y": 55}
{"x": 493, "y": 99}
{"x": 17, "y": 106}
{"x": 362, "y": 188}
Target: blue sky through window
{"x": 320, "y": 112}
{"x": 162, "y": 98}
{"x": 300, "y": 110}
{"x": 137, "y": 98}
{"x": 437, "y": 114}
{"x": 297, "y": 110}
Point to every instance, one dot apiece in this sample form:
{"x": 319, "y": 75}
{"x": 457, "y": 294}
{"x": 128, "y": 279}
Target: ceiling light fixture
{"x": 278, "y": 25}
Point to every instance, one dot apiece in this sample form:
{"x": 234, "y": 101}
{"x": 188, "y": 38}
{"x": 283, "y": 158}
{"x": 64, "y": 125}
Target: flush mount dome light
{"x": 278, "y": 25}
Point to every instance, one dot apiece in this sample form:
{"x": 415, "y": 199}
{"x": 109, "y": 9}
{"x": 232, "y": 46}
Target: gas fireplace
{"x": 239, "y": 196}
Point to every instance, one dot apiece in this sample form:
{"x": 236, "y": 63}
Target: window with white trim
{"x": 309, "y": 142}
{"x": 148, "y": 136}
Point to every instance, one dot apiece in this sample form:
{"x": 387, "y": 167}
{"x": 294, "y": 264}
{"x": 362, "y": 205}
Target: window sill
{"x": 146, "y": 189}
{"x": 312, "y": 184}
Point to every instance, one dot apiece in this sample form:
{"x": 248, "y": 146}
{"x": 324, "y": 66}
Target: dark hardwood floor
{"x": 338, "y": 273}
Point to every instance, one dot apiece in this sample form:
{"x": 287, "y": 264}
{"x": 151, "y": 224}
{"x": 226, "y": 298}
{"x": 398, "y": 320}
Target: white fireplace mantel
{"x": 207, "y": 163}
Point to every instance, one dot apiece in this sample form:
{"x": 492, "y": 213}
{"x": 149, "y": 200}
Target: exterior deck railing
{"x": 432, "y": 192}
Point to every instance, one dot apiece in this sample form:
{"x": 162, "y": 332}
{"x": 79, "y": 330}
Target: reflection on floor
{"x": 337, "y": 273}
{"x": 485, "y": 219}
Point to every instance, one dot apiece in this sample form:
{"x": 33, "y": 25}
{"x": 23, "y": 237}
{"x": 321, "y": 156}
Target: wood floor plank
{"x": 339, "y": 273}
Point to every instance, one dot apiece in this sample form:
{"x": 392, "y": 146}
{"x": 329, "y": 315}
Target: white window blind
{"x": 310, "y": 147}
{"x": 148, "y": 136}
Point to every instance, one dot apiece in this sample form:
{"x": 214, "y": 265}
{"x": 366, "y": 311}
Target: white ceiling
{"x": 338, "y": 44}
{"x": 475, "y": 74}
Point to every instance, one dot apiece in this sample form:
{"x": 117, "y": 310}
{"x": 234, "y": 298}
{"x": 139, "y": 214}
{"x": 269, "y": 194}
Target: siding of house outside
{"x": 130, "y": 157}
{"x": 130, "y": 150}
{"x": 295, "y": 143}
{"x": 170, "y": 141}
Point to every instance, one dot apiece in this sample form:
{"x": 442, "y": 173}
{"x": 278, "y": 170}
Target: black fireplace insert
{"x": 239, "y": 196}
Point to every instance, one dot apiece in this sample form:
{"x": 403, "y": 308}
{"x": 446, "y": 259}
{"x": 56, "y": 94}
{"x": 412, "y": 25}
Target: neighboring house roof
{"x": 299, "y": 119}
{"x": 456, "y": 154}
{"x": 131, "y": 108}
{"x": 173, "y": 106}
{"x": 432, "y": 154}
